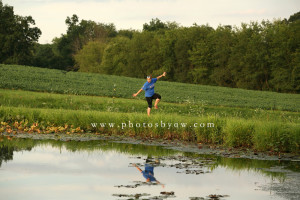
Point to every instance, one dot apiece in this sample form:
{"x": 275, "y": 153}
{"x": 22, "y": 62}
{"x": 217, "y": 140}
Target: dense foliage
{"x": 17, "y": 36}
{"x": 260, "y": 56}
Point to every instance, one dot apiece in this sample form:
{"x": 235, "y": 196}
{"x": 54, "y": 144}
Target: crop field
{"x": 58, "y": 81}
{"x": 30, "y": 99}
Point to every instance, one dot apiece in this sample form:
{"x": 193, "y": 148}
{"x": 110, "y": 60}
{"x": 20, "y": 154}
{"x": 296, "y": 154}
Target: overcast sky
{"x": 50, "y": 15}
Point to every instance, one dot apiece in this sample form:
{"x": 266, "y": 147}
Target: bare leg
{"x": 156, "y": 102}
{"x": 148, "y": 111}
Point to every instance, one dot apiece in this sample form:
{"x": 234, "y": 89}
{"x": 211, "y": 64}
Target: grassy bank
{"x": 57, "y": 81}
{"x": 232, "y": 132}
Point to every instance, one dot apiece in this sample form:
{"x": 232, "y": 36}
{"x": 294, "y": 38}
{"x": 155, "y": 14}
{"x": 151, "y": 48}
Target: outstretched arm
{"x": 164, "y": 74}
{"x": 137, "y": 167}
{"x": 134, "y": 95}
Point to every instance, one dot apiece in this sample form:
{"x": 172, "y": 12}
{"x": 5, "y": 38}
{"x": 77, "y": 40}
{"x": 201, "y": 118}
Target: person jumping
{"x": 149, "y": 92}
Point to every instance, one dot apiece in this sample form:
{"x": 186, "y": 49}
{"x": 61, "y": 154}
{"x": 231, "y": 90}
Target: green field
{"x": 30, "y": 102}
{"x": 29, "y": 99}
{"x": 57, "y": 81}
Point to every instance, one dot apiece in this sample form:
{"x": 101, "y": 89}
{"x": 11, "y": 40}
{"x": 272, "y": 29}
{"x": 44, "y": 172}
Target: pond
{"x": 50, "y": 169}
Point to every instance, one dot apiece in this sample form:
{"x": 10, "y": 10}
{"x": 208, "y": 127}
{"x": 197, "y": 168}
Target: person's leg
{"x": 149, "y": 100}
{"x": 157, "y": 98}
{"x": 156, "y": 102}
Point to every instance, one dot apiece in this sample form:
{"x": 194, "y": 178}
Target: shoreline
{"x": 259, "y": 134}
{"x": 176, "y": 145}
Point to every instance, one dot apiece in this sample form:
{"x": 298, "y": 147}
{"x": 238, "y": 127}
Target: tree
{"x": 45, "y": 57}
{"x": 126, "y": 33}
{"x": 200, "y": 55}
{"x": 89, "y": 58}
{"x": 295, "y": 17}
{"x": 284, "y": 59}
{"x": 79, "y": 34}
{"x": 143, "y": 56}
{"x": 154, "y": 25}
{"x": 295, "y": 76}
{"x": 17, "y": 37}
{"x": 222, "y": 39}
{"x": 115, "y": 57}
{"x": 248, "y": 62}
{"x": 294, "y": 44}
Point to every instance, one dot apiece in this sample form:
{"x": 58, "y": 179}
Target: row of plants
{"x": 29, "y": 99}
{"x": 59, "y": 81}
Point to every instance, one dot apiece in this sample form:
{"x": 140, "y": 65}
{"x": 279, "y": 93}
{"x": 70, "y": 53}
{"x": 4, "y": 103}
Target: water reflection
{"x": 6, "y": 154}
{"x": 148, "y": 172}
{"x": 40, "y": 169}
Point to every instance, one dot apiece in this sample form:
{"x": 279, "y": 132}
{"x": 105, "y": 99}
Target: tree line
{"x": 260, "y": 56}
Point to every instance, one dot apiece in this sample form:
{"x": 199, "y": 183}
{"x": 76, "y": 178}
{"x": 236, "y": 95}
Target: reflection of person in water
{"x": 148, "y": 173}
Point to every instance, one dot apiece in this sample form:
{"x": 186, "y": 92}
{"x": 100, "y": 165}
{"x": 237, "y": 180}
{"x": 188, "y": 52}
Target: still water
{"x": 48, "y": 169}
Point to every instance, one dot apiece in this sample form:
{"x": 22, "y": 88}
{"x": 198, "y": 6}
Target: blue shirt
{"x": 149, "y": 87}
{"x": 148, "y": 173}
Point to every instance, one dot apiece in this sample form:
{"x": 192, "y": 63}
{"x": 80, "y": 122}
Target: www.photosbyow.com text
{"x": 161, "y": 124}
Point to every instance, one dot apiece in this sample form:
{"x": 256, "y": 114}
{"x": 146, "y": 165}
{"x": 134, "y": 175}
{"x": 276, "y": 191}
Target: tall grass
{"x": 29, "y": 99}
{"x": 279, "y": 137}
{"x": 232, "y": 132}
{"x": 238, "y": 133}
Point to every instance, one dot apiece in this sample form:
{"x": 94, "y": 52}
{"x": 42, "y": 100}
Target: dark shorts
{"x": 149, "y": 99}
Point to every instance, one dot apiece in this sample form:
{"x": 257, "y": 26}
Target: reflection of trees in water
{"x": 6, "y": 153}
{"x": 151, "y": 152}
{"x": 9, "y": 146}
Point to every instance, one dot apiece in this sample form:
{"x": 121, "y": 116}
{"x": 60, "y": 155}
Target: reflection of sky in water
{"x": 52, "y": 173}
